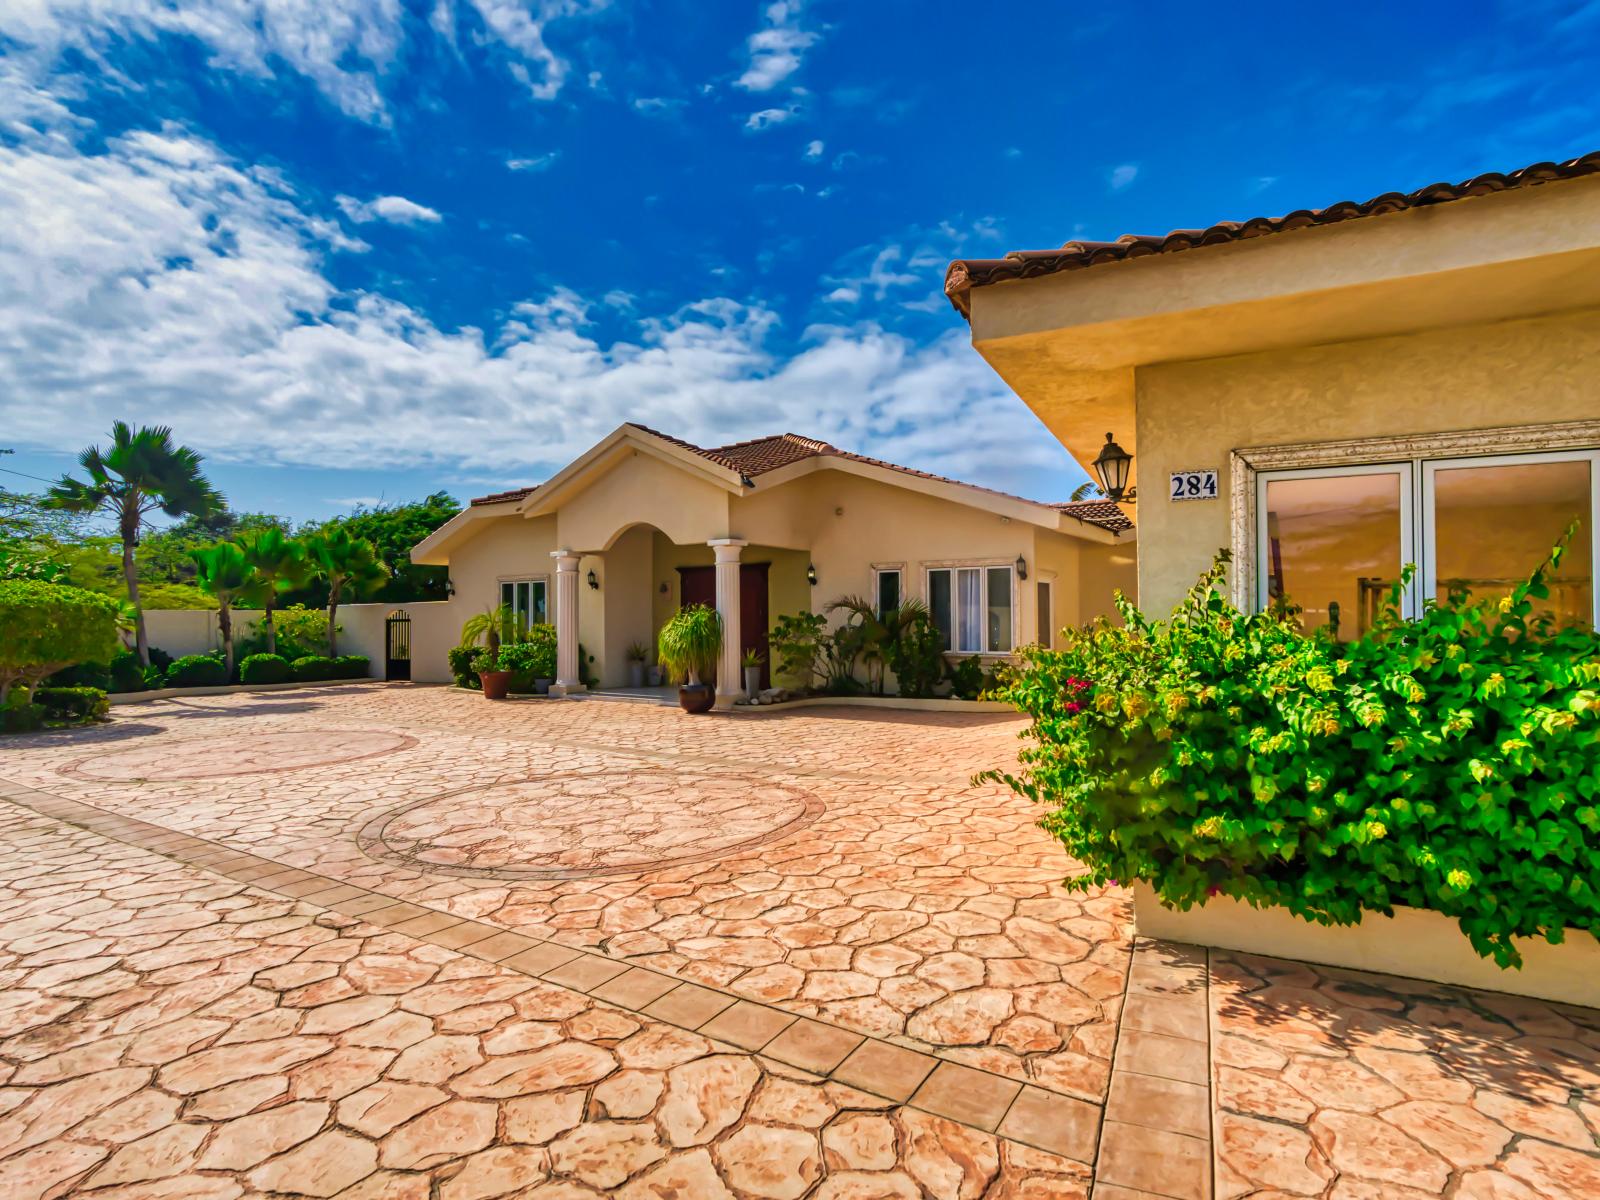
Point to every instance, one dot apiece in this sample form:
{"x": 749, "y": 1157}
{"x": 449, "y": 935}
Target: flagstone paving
{"x": 811, "y": 960}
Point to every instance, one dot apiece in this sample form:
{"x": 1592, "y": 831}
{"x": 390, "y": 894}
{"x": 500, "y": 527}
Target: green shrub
{"x": 312, "y": 667}
{"x": 127, "y": 673}
{"x": 1451, "y": 762}
{"x": 46, "y": 627}
{"x": 461, "y": 666}
{"x": 73, "y": 705}
{"x": 530, "y": 660}
{"x": 197, "y": 670}
{"x": 301, "y": 633}
{"x": 688, "y": 644}
{"x": 94, "y": 675}
{"x": 22, "y": 717}
{"x": 265, "y": 668}
{"x": 916, "y": 655}
{"x": 352, "y": 666}
{"x": 967, "y": 679}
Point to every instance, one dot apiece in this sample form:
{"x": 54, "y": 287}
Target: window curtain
{"x": 969, "y": 590}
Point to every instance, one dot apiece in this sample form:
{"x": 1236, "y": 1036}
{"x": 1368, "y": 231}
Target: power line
{"x": 25, "y": 475}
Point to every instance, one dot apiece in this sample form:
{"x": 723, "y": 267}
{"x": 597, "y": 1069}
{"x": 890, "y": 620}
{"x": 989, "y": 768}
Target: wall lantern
{"x": 594, "y": 580}
{"x": 449, "y": 587}
{"x": 1111, "y": 469}
{"x": 811, "y": 574}
{"x": 1022, "y": 567}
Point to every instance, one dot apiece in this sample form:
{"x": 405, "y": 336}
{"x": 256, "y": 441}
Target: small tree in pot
{"x": 687, "y": 648}
{"x": 637, "y": 655}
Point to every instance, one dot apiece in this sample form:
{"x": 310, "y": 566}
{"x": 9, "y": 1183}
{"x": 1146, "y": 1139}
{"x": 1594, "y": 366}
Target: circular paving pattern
{"x": 610, "y": 822}
{"x": 245, "y": 754}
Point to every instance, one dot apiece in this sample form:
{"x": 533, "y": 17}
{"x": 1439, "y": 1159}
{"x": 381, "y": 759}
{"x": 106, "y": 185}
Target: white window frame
{"x": 512, "y": 580}
{"x": 983, "y": 566}
{"x": 881, "y": 569}
{"x": 1558, "y": 441}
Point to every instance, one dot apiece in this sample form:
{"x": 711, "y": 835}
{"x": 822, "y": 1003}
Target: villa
{"x": 611, "y": 545}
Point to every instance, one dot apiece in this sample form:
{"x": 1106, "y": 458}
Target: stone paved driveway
{"x": 389, "y": 941}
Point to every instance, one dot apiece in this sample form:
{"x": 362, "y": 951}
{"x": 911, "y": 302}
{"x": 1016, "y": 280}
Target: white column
{"x": 568, "y": 678}
{"x": 729, "y": 684}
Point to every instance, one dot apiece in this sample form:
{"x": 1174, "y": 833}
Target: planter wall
{"x": 1414, "y": 942}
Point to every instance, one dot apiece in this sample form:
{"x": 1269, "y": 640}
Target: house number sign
{"x": 1193, "y": 485}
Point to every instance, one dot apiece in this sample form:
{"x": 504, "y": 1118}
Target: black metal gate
{"x": 397, "y": 646}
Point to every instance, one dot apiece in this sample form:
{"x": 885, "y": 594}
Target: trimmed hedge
{"x": 312, "y": 667}
{"x": 265, "y": 668}
{"x": 197, "y": 670}
{"x": 466, "y": 675}
{"x": 1450, "y": 762}
{"x": 72, "y": 704}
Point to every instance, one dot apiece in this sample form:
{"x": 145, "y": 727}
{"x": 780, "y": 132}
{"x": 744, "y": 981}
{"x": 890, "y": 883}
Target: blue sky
{"x": 363, "y": 249}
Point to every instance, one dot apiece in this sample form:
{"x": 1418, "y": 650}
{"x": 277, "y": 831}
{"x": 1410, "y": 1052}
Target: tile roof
{"x": 964, "y": 274}
{"x": 758, "y": 456}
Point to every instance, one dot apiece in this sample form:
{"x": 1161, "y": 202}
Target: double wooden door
{"x": 698, "y": 585}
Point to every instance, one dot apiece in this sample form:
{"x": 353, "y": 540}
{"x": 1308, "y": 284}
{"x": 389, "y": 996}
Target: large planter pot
{"x": 495, "y": 684}
{"x": 696, "y": 697}
{"x": 636, "y": 674}
{"x": 752, "y": 681}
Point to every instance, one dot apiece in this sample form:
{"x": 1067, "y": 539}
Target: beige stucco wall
{"x": 642, "y": 487}
{"x": 1192, "y": 414}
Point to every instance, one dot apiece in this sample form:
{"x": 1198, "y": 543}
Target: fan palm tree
{"x": 223, "y": 571}
{"x": 350, "y": 565}
{"x": 141, "y": 472}
{"x": 278, "y": 563}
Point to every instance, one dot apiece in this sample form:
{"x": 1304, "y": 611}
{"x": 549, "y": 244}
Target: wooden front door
{"x": 698, "y": 585}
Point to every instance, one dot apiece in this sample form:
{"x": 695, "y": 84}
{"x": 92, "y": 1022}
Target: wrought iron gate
{"x": 397, "y": 646}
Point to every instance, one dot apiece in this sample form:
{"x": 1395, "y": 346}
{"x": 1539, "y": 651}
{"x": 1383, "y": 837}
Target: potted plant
{"x": 751, "y": 662}
{"x": 496, "y": 679}
{"x": 687, "y": 648}
{"x": 636, "y": 658}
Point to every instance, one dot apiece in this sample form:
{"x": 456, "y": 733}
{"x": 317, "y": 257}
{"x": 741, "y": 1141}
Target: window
{"x": 526, "y": 600}
{"x": 972, "y": 608}
{"x": 888, "y": 592}
{"x": 1332, "y": 541}
{"x": 1047, "y": 627}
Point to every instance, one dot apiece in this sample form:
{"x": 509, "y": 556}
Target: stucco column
{"x": 729, "y": 684}
{"x": 568, "y": 678}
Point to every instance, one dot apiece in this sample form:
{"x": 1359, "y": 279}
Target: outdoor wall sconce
{"x": 1111, "y": 469}
{"x": 449, "y": 587}
{"x": 811, "y": 574}
{"x": 663, "y": 588}
{"x": 594, "y": 580}
{"x": 1022, "y": 568}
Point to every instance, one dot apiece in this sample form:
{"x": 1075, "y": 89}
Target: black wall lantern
{"x": 1022, "y": 568}
{"x": 1111, "y": 469}
{"x": 811, "y": 574}
{"x": 594, "y": 580}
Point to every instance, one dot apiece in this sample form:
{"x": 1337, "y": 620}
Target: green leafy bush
{"x": 127, "y": 673}
{"x": 197, "y": 670}
{"x": 301, "y": 633}
{"x": 688, "y": 644}
{"x": 19, "y": 715}
{"x": 352, "y": 666}
{"x": 462, "y": 668}
{"x": 45, "y": 627}
{"x": 265, "y": 668}
{"x": 530, "y": 660}
{"x": 1450, "y": 762}
{"x": 310, "y": 668}
{"x": 916, "y": 655}
{"x": 72, "y": 705}
{"x": 967, "y": 678}
{"x": 94, "y": 675}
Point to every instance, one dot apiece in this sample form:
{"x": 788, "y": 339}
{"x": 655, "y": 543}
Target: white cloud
{"x": 538, "y": 162}
{"x": 396, "y": 210}
{"x": 776, "y": 48}
{"x": 347, "y": 48}
{"x": 814, "y": 150}
{"x": 153, "y": 278}
{"x": 768, "y": 117}
{"x": 657, "y": 106}
{"x": 1123, "y": 176}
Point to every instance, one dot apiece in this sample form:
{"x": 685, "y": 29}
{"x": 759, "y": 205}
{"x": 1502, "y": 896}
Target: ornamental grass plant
{"x": 1448, "y": 762}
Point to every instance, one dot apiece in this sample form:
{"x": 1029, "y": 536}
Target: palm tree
{"x": 349, "y": 564}
{"x": 278, "y": 563}
{"x": 223, "y": 571}
{"x": 142, "y": 471}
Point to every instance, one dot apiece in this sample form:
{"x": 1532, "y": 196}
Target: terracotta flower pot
{"x": 696, "y": 697}
{"x": 495, "y": 684}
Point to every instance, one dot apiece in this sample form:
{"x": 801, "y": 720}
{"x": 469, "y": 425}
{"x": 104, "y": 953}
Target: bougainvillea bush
{"x": 1450, "y": 762}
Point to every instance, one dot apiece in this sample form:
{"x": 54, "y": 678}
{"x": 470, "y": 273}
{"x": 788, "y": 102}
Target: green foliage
{"x": 638, "y": 652}
{"x": 127, "y": 674}
{"x": 72, "y": 705}
{"x": 21, "y": 715}
{"x": 302, "y": 632}
{"x": 349, "y": 566}
{"x": 352, "y": 666}
{"x": 313, "y": 667}
{"x": 916, "y": 655}
{"x": 534, "y": 658}
{"x": 265, "y": 668}
{"x": 800, "y": 642}
{"x": 197, "y": 670}
{"x": 1451, "y": 762}
{"x": 461, "y": 660}
{"x": 967, "y": 678}
{"x": 392, "y": 529}
{"x": 689, "y": 643}
{"x": 92, "y": 675}
{"x": 45, "y": 627}
{"x": 491, "y": 627}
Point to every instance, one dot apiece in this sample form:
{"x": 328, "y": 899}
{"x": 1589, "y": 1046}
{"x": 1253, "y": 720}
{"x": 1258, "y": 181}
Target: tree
{"x": 224, "y": 572}
{"x": 143, "y": 471}
{"x": 347, "y": 564}
{"x": 45, "y": 628}
{"x": 277, "y": 563}
{"x": 393, "y": 529}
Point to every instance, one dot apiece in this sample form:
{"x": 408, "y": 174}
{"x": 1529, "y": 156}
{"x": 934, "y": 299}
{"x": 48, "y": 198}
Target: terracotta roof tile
{"x": 964, "y": 274}
{"x": 758, "y": 456}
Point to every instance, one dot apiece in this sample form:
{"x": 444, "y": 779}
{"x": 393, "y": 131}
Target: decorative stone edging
{"x": 903, "y": 703}
{"x": 1021, "y": 1112}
